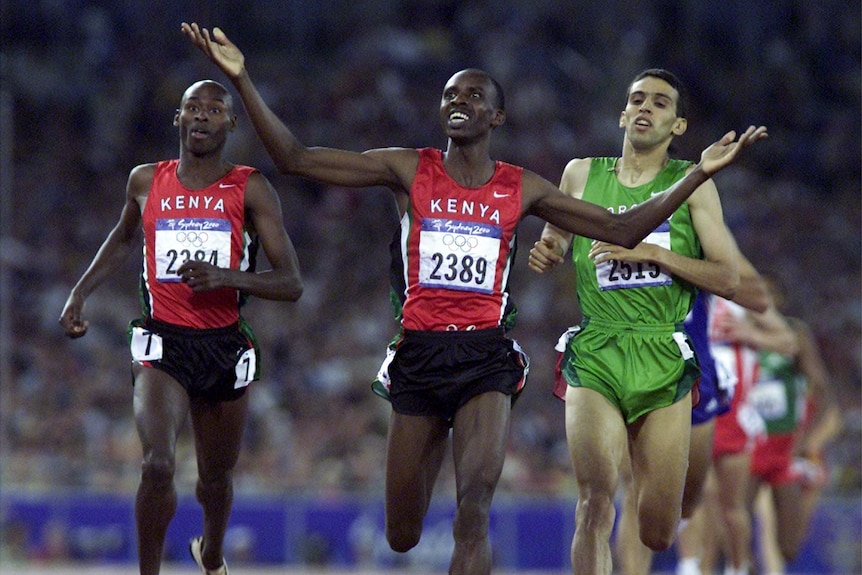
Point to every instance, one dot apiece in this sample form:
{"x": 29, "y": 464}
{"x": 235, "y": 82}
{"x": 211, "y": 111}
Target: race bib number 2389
{"x": 458, "y": 255}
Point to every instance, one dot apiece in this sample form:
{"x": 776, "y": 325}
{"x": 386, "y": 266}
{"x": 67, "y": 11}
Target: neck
{"x": 469, "y": 165}
{"x": 200, "y": 171}
{"x": 636, "y": 167}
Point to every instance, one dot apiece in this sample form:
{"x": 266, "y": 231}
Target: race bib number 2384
{"x": 179, "y": 240}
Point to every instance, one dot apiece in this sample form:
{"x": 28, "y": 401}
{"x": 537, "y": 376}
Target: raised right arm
{"x": 630, "y": 227}
{"x": 390, "y": 167}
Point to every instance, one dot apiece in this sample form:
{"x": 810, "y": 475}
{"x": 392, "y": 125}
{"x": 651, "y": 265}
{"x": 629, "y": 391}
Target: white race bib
{"x": 179, "y": 240}
{"x": 145, "y": 345}
{"x": 458, "y": 255}
{"x": 246, "y": 368}
{"x": 769, "y": 398}
{"x": 617, "y": 274}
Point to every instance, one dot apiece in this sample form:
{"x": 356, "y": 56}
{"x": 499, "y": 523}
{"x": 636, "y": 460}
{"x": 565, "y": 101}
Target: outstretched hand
{"x": 217, "y": 48}
{"x": 723, "y": 152}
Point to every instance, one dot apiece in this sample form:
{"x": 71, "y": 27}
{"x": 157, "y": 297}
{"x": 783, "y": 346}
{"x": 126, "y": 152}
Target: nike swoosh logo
{"x": 499, "y": 195}
{"x": 227, "y": 185}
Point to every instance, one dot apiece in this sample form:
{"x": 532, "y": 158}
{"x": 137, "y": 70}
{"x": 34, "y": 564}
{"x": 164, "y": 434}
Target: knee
{"x": 657, "y": 539}
{"x": 471, "y": 521}
{"x": 595, "y": 512}
{"x": 157, "y": 469}
{"x": 402, "y": 538}
{"x": 658, "y": 527}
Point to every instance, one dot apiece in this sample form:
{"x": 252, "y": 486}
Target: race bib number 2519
{"x": 618, "y": 274}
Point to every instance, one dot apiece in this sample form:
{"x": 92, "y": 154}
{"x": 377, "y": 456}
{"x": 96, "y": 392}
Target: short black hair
{"x": 501, "y": 98}
{"x": 670, "y": 78}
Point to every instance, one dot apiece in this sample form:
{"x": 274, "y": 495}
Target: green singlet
{"x": 631, "y": 347}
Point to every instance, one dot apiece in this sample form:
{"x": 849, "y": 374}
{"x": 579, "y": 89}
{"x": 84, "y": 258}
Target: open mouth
{"x": 457, "y": 118}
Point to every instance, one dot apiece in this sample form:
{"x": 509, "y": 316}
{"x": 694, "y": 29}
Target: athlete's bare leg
{"x": 636, "y": 558}
{"x": 597, "y": 439}
{"x": 414, "y": 454}
{"x": 480, "y": 433}
{"x": 770, "y": 560}
{"x": 732, "y": 473}
{"x": 161, "y": 406}
{"x": 218, "y": 430}
{"x": 659, "y": 470}
{"x": 633, "y": 556}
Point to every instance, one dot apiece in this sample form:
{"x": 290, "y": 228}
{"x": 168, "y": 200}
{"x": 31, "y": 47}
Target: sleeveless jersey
{"x": 182, "y": 224}
{"x": 732, "y": 361}
{"x": 779, "y": 394}
{"x": 635, "y": 293}
{"x": 456, "y": 247}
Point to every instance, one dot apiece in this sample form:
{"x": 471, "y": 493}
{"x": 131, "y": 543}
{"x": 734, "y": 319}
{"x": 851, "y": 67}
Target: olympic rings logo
{"x": 196, "y": 239}
{"x": 459, "y": 242}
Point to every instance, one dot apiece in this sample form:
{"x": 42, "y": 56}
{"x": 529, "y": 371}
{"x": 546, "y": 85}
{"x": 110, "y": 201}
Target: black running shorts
{"x": 212, "y": 364}
{"x": 435, "y": 373}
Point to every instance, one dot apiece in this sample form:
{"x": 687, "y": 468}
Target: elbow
{"x": 294, "y": 290}
{"x": 729, "y": 289}
{"x": 288, "y": 159}
{"x": 624, "y": 234}
{"x": 730, "y": 283}
{"x": 285, "y": 164}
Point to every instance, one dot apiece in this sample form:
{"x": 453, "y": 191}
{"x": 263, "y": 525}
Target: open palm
{"x": 217, "y": 48}
{"x": 726, "y": 150}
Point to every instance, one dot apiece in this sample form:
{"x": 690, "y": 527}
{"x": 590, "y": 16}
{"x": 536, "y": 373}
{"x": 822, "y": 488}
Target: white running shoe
{"x": 196, "y": 547}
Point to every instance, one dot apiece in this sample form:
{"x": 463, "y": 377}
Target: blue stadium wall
{"x": 528, "y": 534}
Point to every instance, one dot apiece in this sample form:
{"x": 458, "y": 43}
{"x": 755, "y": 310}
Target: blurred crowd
{"x": 89, "y": 90}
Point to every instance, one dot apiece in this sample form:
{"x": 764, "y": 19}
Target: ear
{"x": 623, "y": 119}
{"x": 499, "y": 118}
{"x": 680, "y": 126}
{"x": 177, "y": 118}
{"x": 233, "y": 123}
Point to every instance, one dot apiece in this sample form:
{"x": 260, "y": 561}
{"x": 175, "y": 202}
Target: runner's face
{"x": 650, "y": 117}
{"x": 468, "y": 106}
{"x": 205, "y": 118}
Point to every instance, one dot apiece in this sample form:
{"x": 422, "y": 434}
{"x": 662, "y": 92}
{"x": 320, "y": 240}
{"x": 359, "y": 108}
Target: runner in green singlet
{"x": 628, "y": 369}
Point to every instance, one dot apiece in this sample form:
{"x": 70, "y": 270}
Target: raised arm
{"x": 630, "y": 227}
{"x": 393, "y": 168}
{"x": 120, "y": 241}
{"x": 717, "y": 272}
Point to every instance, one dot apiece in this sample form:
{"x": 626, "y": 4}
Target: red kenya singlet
{"x": 457, "y": 247}
{"x": 182, "y": 224}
